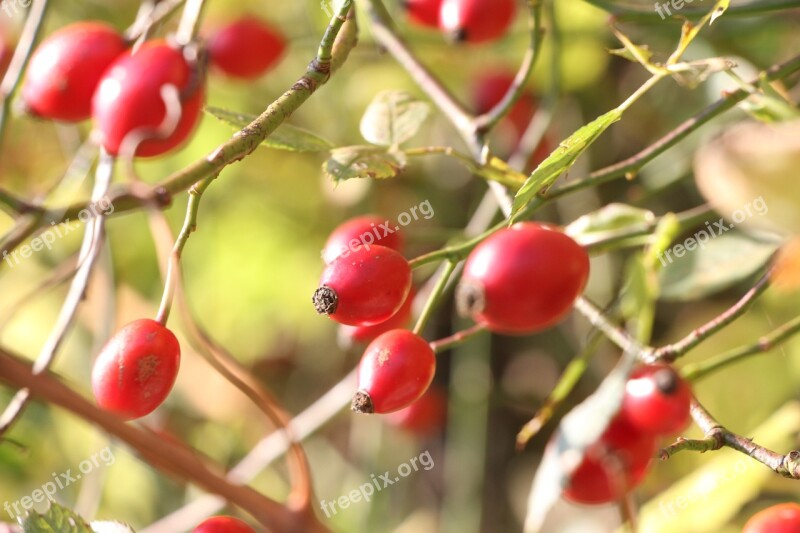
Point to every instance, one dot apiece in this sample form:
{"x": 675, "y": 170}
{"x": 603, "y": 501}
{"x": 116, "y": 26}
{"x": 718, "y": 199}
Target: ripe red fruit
{"x": 422, "y": 417}
{"x": 246, "y": 48}
{"x": 477, "y": 21}
{"x": 522, "y": 279}
{"x": 781, "y": 518}
{"x": 136, "y": 369}
{"x": 657, "y": 400}
{"x": 65, "y": 69}
{"x": 395, "y": 370}
{"x": 129, "y": 99}
{"x": 223, "y": 524}
{"x": 399, "y": 320}
{"x": 423, "y": 12}
{"x": 364, "y": 288}
{"x": 612, "y": 466}
{"x": 361, "y": 231}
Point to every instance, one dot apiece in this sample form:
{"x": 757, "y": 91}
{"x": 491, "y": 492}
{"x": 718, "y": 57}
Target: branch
{"x": 716, "y": 436}
{"x": 92, "y": 244}
{"x": 766, "y": 343}
{"x": 10, "y": 82}
{"x": 672, "y": 351}
{"x": 168, "y": 455}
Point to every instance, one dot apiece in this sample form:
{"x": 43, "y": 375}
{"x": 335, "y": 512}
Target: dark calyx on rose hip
{"x": 365, "y": 287}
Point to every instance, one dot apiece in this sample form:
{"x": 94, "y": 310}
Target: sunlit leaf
{"x": 562, "y": 159}
{"x": 374, "y": 162}
{"x": 286, "y": 137}
{"x": 498, "y": 170}
{"x": 393, "y": 117}
{"x": 57, "y": 519}
{"x": 702, "y": 265}
{"x": 607, "y": 220}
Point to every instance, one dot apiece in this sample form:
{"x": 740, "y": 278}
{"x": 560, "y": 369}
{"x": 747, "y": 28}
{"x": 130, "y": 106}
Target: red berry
{"x": 423, "y": 12}
{"x": 612, "y": 466}
{"x": 136, "y": 369}
{"x": 129, "y": 99}
{"x": 781, "y": 518}
{"x": 399, "y": 320}
{"x": 395, "y": 370}
{"x": 364, "y": 288}
{"x": 522, "y": 279}
{"x": 477, "y": 21}
{"x": 246, "y": 48}
{"x": 424, "y": 416}
{"x": 65, "y": 69}
{"x": 657, "y": 400}
{"x": 223, "y": 524}
{"x": 361, "y": 231}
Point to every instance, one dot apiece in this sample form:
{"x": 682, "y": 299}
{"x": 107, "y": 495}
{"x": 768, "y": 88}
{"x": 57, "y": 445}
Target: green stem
{"x": 189, "y": 226}
{"x": 435, "y": 296}
{"x": 766, "y": 343}
{"x": 457, "y": 338}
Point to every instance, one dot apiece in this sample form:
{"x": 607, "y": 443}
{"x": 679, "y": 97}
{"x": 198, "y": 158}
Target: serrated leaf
{"x": 286, "y": 137}
{"x": 562, "y": 159}
{"x": 393, "y": 117}
{"x": 351, "y": 162}
{"x": 718, "y": 264}
{"x": 57, "y": 519}
{"x": 607, "y": 220}
{"x": 578, "y": 430}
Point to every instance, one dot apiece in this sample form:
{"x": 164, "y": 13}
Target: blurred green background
{"x": 254, "y": 262}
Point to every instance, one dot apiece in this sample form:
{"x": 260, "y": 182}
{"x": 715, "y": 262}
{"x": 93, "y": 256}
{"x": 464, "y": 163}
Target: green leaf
{"x": 286, "y": 137}
{"x": 562, "y": 159}
{"x": 393, "y": 117}
{"x": 607, "y": 221}
{"x": 718, "y": 264}
{"x": 57, "y": 519}
{"x": 351, "y": 162}
{"x": 626, "y": 53}
{"x": 498, "y": 170}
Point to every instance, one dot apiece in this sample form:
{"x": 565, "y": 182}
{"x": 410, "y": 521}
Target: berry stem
{"x": 190, "y": 21}
{"x": 457, "y": 338}
{"x": 189, "y": 226}
{"x": 157, "y": 14}
{"x": 435, "y": 296}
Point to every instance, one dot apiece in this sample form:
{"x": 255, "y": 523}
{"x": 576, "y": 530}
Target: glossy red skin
{"x": 246, "y": 48}
{"x": 223, "y": 524}
{"x": 425, "y": 416}
{"x": 530, "y": 274}
{"x": 371, "y": 284}
{"x": 423, "y": 12}
{"x": 129, "y": 98}
{"x": 399, "y": 320}
{"x": 598, "y": 479}
{"x": 477, "y": 21}
{"x": 781, "y": 518}
{"x": 650, "y": 410}
{"x": 66, "y": 68}
{"x": 136, "y": 369}
{"x": 396, "y": 369}
{"x": 356, "y": 232}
